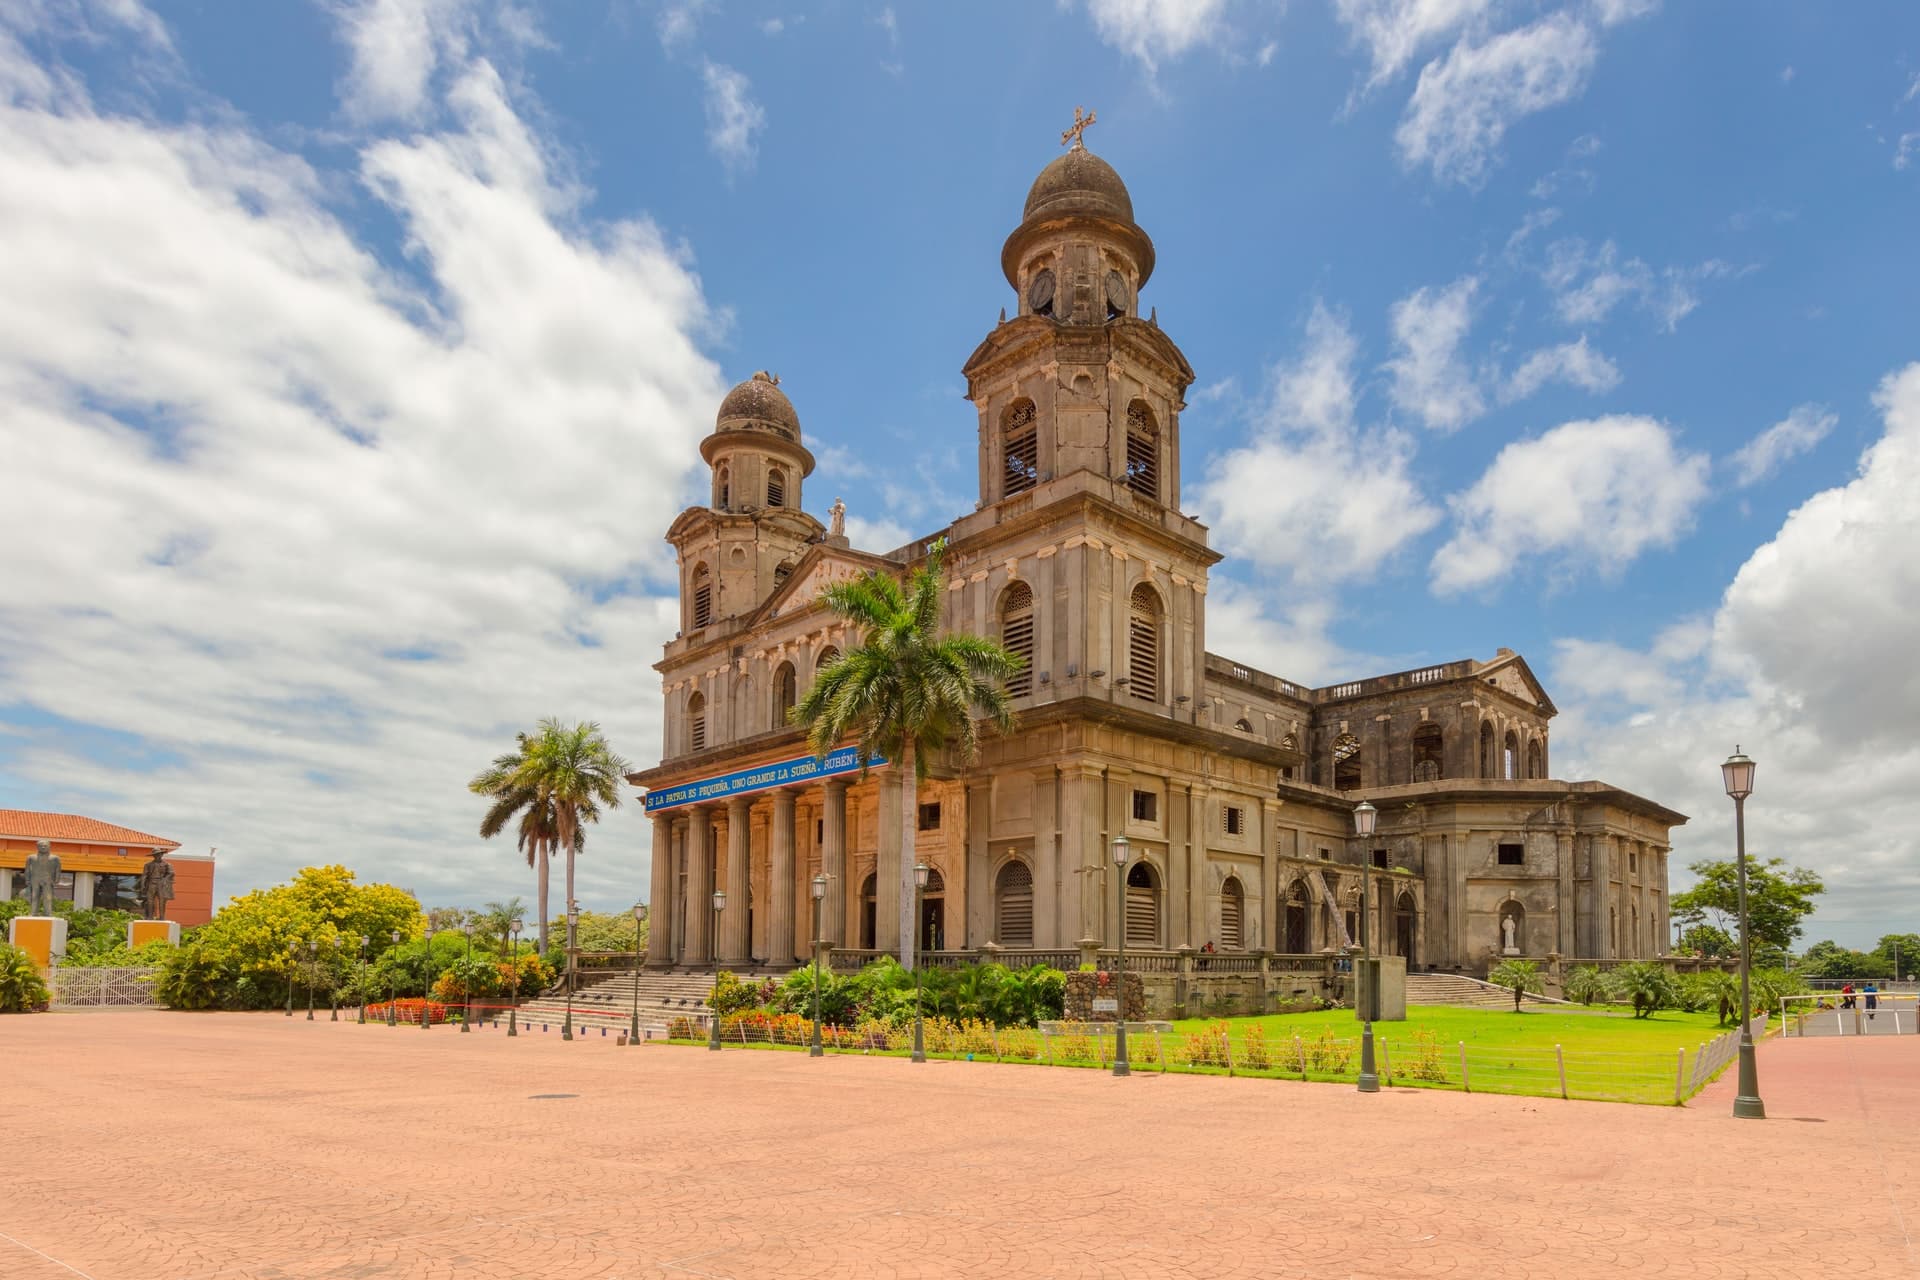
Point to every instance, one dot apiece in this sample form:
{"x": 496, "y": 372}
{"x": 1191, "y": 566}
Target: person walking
{"x": 1846, "y": 996}
{"x": 1872, "y": 994}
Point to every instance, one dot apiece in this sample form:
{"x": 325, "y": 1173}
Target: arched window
{"x": 1346, "y": 763}
{"x": 702, "y": 596}
{"x": 1404, "y": 917}
{"x": 1143, "y": 451}
{"x": 868, "y": 919}
{"x": 1489, "y": 767}
{"x": 785, "y": 693}
{"x": 1019, "y": 448}
{"x": 1298, "y": 915}
{"x": 1510, "y": 756}
{"x": 1243, "y": 724}
{"x": 1143, "y": 906}
{"x": 1289, "y": 743}
{"x": 1536, "y": 764}
{"x": 781, "y": 572}
{"x": 1143, "y": 645}
{"x": 828, "y": 656}
{"x": 933, "y": 912}
{"x": 697, "y": 721}
{"x": 776, "y": 486}
{"x": 723, "y": 487}
{"x": 1016, "y": 633}
{"x": 1233, "y": 915}
{"x": 1013, "y": 905}
{"x": 1429, "y": 753}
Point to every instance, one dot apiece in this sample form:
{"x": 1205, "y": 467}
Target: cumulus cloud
{"x": 1395, "y": 31}
{"x": 1588, "y": 283}
{"x": 733, "y": 117}
{"x": 1574, "y": 363}
{"x": 1312, "y": 494}
{"x": 1464, "y": 103}
{"x": 394, "y": 47}
{"x": 323, "y": 528}
{"x": 1292, "y": 640}
{"x": 1594, "y": 494}
{"x": 1156, "y": 31}
{"x": 1786, "y": 439}
{"x": 1808, "y": 668}
{"x": 1428, "y": 377}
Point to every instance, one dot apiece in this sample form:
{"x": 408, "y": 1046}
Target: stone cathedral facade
{"x": 1234, "y": 787}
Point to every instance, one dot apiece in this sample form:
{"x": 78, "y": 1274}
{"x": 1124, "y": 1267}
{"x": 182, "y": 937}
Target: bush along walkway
{"x": 1419, "y": 1059}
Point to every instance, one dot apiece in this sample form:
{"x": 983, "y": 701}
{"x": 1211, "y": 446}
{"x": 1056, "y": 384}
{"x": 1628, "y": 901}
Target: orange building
{"x": 100, "y": 864}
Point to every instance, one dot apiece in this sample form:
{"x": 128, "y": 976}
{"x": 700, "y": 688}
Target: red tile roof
{"x": 25, "y": 824}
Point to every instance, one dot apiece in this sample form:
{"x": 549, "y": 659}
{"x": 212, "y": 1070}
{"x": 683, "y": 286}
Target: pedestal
{"x": 42, "y": 937}
{"x": 141, "y": 932}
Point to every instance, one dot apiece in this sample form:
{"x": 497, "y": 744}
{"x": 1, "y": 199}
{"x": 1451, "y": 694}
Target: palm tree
{"x": 1586, "y": 984}
{"x": 496, "y": 919}
{"x": 1521, "y": 976}
{"x": 1648, "y": 986}
{"x": 571, "y": 769}
{"x": 512, "y": 783}
{"x": 906, "y": 692}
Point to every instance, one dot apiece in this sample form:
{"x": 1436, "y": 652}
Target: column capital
{"x": 737, "y": 806}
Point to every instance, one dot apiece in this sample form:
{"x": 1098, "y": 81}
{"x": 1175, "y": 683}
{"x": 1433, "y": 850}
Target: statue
{"x": 156, "y": 887}
{"x": 43, "y": 872}
{"x": 837, "y": 519}
{"x": 1508, "y": 928}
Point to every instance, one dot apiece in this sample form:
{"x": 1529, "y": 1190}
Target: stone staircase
{"x": 1462, "y": 991}
{"x": 609, "y": 1003}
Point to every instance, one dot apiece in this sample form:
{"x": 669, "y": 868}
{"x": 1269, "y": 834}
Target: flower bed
{"x": 407, "y": 1009}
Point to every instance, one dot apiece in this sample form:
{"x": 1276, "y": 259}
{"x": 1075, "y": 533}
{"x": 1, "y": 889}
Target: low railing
{"x": 81, "y": 987}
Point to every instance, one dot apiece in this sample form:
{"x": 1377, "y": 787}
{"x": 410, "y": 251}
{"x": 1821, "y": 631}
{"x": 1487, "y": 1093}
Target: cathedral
{"x": 1235, "y": 788}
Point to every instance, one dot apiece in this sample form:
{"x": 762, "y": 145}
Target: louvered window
{"x": 1020, "y": 446}
{"x": 702, "y": 597}
{"x": 1143, "y": 645}
{"x": 776, "y": 487}
{"x": 1233, "y": 819}
{"x": 697, "y": 721}
{"x": 723, "y": 489}
{"x": 1016, "y": 633}
{"x": 1013, "y": 905}
{"x": 1233, "y": 914}
{"x": 1143, "y": 451}
{"x": 1143, "y": 907}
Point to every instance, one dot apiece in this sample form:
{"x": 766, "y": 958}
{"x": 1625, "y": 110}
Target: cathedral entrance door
{"x": 933, "y": 924}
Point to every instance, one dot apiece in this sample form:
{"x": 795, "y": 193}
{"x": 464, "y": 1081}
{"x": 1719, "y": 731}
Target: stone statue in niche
{"x": 1510, "y": 935}
{"x": 156, "y": 887}
{"x": 43, "y": 872}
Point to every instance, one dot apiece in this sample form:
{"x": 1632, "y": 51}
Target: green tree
{"x": 538, "y": 832}
{"x": 21, "y": 988}
{"x": 1901, "y": 951}
{"x": 1519, "y": 976}
{"x": 496, "y": 921}
{"x": 1828, "y": 959}
{"x": 906, "y": 692}
{"x": 1649, "y": 987}
{"x": 1586, "y": 984}
{"x": 1708, "y": 940}
{"x": 1779, "y": 898}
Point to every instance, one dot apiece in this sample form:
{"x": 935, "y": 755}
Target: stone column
{"x": 886, "y": 864}
{"x": 833, "y": 861}
{"x": 660, "y": 902}
{"x": 700, "y": 942}
{"x": 979, "y": 913}
{"x": 1197, "y": 867}
{"x": 780, "y": 846}
{"x": 734, "y": 939}
{"x": 1080, "y": 845}
{"x": 1567, "y": 905}
{"x": 1601, "y": 862}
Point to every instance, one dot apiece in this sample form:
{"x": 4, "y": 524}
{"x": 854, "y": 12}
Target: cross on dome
{"x": 1081, "y": 123}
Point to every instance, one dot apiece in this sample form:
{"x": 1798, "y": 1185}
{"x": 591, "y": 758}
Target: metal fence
{"x": 85, "y": 988}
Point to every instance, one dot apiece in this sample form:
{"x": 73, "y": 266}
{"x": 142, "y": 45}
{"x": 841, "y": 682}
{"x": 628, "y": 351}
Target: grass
{"x": 1595, "y": 1032}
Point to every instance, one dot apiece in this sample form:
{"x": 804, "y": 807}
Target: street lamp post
{"x": 819, "y": 895}
{"x": 573, "y": 925}
{"x": 1366, "y": 984}
{"x": 466, "y": 980}
{"x": 393, "y": 987}
{"x": 1120, "y": 851}
{"x": 713, "y": 1017}
{"x": 513, "y": 979}
{"x": 426, "y": 988}
{"x": 633, "y": 1028}
{"x": 1737, "y": 772}
{"x": 921, "y": 873}
{"x": 363, "y": 979}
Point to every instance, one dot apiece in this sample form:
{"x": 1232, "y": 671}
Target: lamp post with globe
{"x": 1367, "y": 983}
{"x": 1737, "y": 773}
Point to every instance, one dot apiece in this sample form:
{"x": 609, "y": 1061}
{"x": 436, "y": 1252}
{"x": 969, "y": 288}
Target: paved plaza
{"x": 158, "y": 1146}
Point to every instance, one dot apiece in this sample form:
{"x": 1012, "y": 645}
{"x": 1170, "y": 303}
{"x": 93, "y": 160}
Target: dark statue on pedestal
{"x": 43, "y": 872}
{"x": 156, "y": 887}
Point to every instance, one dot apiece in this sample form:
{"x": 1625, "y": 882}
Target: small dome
{"x": 759, "y": 401}
{"x": 1079, "y": 182}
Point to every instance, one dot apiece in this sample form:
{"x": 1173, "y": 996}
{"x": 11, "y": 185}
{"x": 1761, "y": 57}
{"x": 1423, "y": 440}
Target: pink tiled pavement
{"x": 156, "y": 1146}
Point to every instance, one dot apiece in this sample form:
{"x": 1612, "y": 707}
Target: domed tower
{"x": 738, "y": 548}
{"x": 1077, "y": 381}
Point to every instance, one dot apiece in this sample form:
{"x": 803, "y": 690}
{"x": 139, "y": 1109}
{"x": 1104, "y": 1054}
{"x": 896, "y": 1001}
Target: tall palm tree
{"x": 572, "y": 769}
{"x": 906, "y": 692}
{"x": 539, "y": 830}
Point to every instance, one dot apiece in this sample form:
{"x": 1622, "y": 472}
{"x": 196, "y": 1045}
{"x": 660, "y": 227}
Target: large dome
{"x": 1079, "y": 182}
{"x": 759, "y": 401}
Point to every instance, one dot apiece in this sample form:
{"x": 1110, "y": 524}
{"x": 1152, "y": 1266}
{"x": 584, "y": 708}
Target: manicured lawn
{"x": 1583, "y": 1033}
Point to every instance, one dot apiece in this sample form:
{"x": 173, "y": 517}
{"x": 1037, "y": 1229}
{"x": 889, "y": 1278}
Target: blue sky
{"x": 359, "y": 350}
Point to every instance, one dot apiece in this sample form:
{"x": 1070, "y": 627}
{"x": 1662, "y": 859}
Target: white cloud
{"x": 323, "y": 529}
{"x": 395, "y": 46}
{"x": 1810, "y": 671}
{"x": 680, "y": 22}
{"x": 1906, "y": 149}
{"x": 1295, "y": 645}
{"x": 879, "y": 536}
{"x": 1394, "y": 31}
{"x": 1611, "y": 13}
{"x": 1428, "y": 378}
{"x": 1592, "y": 494}
{"x": 1588, "y": 283}
{"x": 1574, "y": 363}
{"x": 1788, "y": 438}
{"x": 733, "y": 117}
{"x": 1311, "y": 494}
{"x": 1464, "y": 103}
{"x": 1156, "y": 31}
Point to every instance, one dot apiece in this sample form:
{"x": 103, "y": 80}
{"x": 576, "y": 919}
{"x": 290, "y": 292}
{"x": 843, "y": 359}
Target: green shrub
{"x": 21, "y": 988}
{"x": 1586, "y": 984}
{"x": 1647, "y": 986}
{"x": 192, "y": 977}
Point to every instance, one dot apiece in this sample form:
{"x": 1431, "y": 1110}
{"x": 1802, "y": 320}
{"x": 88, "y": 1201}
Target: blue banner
{"x": 778, "y": 773}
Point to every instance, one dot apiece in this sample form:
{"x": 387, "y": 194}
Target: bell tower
{"x": 1077, "y": 382}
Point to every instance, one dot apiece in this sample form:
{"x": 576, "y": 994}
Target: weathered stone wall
{"x": 1084, "y": 988}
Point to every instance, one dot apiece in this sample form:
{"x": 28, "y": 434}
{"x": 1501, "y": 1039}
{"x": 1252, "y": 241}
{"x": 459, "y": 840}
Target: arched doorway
{"x": 1489, "y": 766}
{"x": 933, "y": 912}
{"x": 1403, "y": 926}
{"x": 1013, "y": 905}
{"x": 1297, "y": 940}
{"x": 1233, "y": 915}
{"x": 1143, "y": 906}
{"x": 867, "y": 917}
{"x": 1429, "y": 753}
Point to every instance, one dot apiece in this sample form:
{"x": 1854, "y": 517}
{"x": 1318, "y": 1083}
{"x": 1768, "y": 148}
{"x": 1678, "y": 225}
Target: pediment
{"x": 1510, "y": 674}
{"x": 817, "y": 569}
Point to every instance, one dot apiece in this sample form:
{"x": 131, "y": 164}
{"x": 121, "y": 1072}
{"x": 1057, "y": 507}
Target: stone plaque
{"x": 1105, "y": 1004}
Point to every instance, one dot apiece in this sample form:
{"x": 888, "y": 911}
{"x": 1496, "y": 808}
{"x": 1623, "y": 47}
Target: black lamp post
{"x": 921, "y": 873}
{"x": 393, "y": 987}
{"x": 713, "y": 1020}
{"x": 513, "y": 980}
{"x": 819, "y": 895}
{"x": 363, "y": 979}
{"x": 1120, "y": 852}
{"x": 633, "y": 1028}
{"x": 426, "y": 991}
{"x": 1366, "y": 983}
{"x": 1737, "y": 772}
{"x": 466, "y": 980}
{"x": 573, "y": 924}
